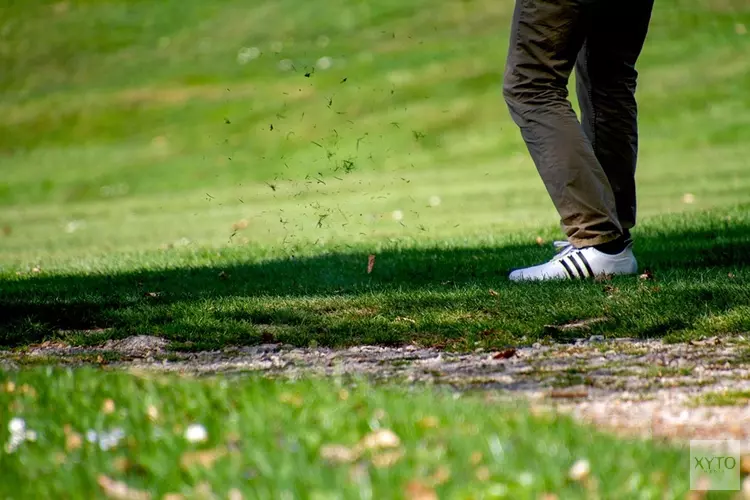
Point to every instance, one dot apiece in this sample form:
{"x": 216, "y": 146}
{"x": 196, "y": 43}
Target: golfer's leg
{"x": 606, "y": 83}
{"x": 546, "y": 37}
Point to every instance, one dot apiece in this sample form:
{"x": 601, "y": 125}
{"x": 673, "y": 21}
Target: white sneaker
{"x": 573, "y": 263}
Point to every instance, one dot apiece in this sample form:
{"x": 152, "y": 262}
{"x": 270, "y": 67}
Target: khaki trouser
{"x": 588, "y": 167}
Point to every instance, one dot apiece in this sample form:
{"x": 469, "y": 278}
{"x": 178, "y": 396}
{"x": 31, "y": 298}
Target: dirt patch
{"x": 647, "y": 388}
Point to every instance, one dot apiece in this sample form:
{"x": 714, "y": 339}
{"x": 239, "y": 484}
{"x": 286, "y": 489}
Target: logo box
{"x": 714, "y": 464}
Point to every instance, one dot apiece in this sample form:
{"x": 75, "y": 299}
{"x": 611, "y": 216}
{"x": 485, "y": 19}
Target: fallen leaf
{"x": 10, "y": 386}
{"x": 153, "y": 413}
{"x": 428, "y": 422}
{"x": 204, "y": 458}
{"x": 234, "y": 494}
{"x": 387, "y": 459}
{"x": 151, "y": 294}
{"x": 442, "y": 474}
{"x": 108, "y": 407}
{"x": 418, "y": 491}
{"x": 120, "y": 491}
{"x": 539, "y": 240}
{"x": 745, "y": 464}
{"x": 7, "y": 230}
{"x": 505, "y": 354}
{"x": 223, "y": 275}
{"x": 343, "y": 394}
{"x": 475, "y": 458}
{"x": 370, "y": 263}
{"x": 173, "y": 496}
{"x": 291, "y": 399}
{"x": 688, "y": 198}
{"x": 482, "y": 473}
{"x": 647, "y": 275}
{"x": 731, "y": 275}
{"x": 381, "y": 438}
{"x": 73, "y": 440}
{"x": 580, "y": 470}
{"x": 237, "y": 226}
{"x": 123, "y": 465}
{"x": 493, "y": 293}
{"x": 337, "y": 453}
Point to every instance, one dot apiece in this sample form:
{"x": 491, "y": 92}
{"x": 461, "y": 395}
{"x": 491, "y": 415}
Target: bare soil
{"x": 646, "y": 388}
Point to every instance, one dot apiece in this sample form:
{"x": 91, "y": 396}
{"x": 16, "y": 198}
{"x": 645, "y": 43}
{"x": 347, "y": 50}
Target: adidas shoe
{"x": 574, "y": 263}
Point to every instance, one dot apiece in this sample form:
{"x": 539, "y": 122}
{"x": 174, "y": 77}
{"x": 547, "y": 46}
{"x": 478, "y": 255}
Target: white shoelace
{"x": 564, "y": 248}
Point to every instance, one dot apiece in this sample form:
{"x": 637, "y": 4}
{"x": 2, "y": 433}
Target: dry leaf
{"x": 418, "y": 491}
{"x": 580, "y": 470}
{"x": 647, "y": 275}
{"x": 173, "y": 496}
{"x": 483, "y": 473}
{"x": 745, "y": 464}
{"x": 688, "y": 198}
{"x": 153, "y": 413}
{"x": 441, "y": 475}
{"x": 387, "y": 459}
{"x": 239, "y": 225}
{"x": 505, "y": 354}
{"x": 10, "y": 386}
{"x": 151, "y": 294}
{"x": 204, "y": 458}
{"x": 108, "y": 407}
{"x": 343, "y": 394}
{"x": 475, "y": 458}
{"x": 234, "y": 494}
{"x": 381, "y": 438}
{"x": 292, "y": 399}
{"x": 539, "y": 240}
{"x": 370, "y": 263}
{"x": 73, "y": 441}
{"x": 493, "y": 293}
{"x": 223, "y": 275}
{"x": 121, "y": 464}
{"x": 428, "y": 422}
{"x": 337, "y": 453}
{"x": 120, "y": 491}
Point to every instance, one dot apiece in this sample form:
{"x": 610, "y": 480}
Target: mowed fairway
{"x": 220, "y": 173}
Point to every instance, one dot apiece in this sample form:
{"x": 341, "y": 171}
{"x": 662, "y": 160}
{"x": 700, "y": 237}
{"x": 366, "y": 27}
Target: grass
{"x": 160, "y": 178}
{"x": 219, "y": 174}
{"x": 724, "y": 398}
{"x": 270, "y": 439}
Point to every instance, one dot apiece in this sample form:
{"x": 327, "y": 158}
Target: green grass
{"x": 268, "y": 440}
{"x": 144, "y": 191}
{"x": 157, "y": 179}
{"x": 724, "y": 398}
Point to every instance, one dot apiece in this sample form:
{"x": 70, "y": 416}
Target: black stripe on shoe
{"x": 585, "y": 263}
{"x": 567, "y": 269}
{"x": 578, "y": 268}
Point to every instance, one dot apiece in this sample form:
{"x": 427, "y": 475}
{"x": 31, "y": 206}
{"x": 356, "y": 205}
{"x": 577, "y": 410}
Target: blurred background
{"x": 137, "y": 125}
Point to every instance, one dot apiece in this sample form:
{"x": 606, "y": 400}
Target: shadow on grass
{"x": 429, "y": 296}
